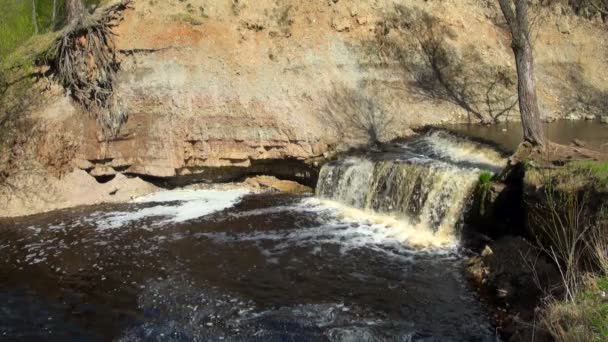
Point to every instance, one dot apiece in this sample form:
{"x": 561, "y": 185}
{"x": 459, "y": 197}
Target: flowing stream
{"x": 373, "y": 256}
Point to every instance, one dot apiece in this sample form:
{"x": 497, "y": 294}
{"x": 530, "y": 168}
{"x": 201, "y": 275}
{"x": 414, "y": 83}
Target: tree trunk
{"x": 54, "y": 14}
{"x": 524, "y": 59}
{"x": 75, "y": 10}
{"x": 526, "y": 89}
{"x": 34, "y": 17}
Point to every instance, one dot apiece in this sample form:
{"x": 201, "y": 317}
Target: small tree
{"x": 54, "y": 14}
{"x": 34, "y": 17}
{"x": 75, "y": 10}
{"x": 516, "y": 15}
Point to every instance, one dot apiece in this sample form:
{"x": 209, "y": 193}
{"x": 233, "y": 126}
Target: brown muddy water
{"x": 509, "y": 135}
{"x": 374, "y": 256}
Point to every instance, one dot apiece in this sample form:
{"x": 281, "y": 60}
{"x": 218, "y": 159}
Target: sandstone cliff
{"x": 216, "y": 90}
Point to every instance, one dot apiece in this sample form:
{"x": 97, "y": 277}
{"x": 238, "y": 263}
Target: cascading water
{"x": 204, "y": 265}
{"x": 424, "y": 183}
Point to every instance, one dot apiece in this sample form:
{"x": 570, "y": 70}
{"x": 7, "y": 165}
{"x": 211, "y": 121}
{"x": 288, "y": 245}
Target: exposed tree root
{"x": 84, "y": 60}
{"x": 555, "y": 154}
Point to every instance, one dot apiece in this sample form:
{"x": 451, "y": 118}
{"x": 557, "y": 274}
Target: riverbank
{"x": 34, "y": 194}
{"x": 542, "y": 270}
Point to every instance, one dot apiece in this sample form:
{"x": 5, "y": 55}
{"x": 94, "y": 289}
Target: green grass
{"x": 585, "y": 318}
{"x": 485, "y": 178}
{"x": 596, "y": 307}
{"x": 24, "y": 56}
{"x": 17, "y": 21}
{"x": 15, "y": 25}
{"x": 596, "y": 169}
{"x": 575, "y": 174}
{"x": 485, "y": 181}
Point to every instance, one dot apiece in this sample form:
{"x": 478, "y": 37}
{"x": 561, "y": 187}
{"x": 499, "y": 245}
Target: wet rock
{"x": 550, "y": 119}
{"x": 604, "y": 119}
{"x": 514, "y": 278}
{"x": 275, "y": 184}
{"x": 573, "y": 117}
{"x": 120, "y": 163}
{"x": 497, "y": 210}
{"x": 487, "y": 251}
{"x": 150, "y": 170}
{"x": 578, "y": 143}
{"x": 590, "y": 117}
{"x": 101, "y": 171}
{"x": 83, "y": 164}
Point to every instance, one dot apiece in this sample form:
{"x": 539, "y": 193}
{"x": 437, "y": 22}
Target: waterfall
{"x": 425, "y": 183}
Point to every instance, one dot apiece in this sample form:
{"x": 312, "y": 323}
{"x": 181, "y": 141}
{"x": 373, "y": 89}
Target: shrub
{"x": 567, "y": 217}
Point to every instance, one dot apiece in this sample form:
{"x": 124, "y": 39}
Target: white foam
{"x": 348, "y": 228}
{"x": 462, "y": 150}
{"x": 382, "y": 228}
{"x": 174, "y": 206}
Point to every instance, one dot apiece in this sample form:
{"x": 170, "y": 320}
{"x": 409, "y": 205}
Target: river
{"x": 592, "y": 133}
{"x": 374, "y": 255}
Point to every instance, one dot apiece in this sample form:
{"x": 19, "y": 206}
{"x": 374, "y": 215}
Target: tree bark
{"x": 75, "y": 10}
{"x": 54, "y": 15}
{"x": 34, "y": 17}
{"x": 524, "y": 59}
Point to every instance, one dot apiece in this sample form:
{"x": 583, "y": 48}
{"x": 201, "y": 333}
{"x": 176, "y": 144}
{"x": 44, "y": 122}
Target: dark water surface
{"x": 270, "y": 268}
{"x": 509, "y": 135}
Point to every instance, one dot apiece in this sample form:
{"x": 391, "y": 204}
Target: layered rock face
{"x": 216, "y": 90}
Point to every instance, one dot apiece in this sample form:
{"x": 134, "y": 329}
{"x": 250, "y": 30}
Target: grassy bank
{"x": 585, "y": 317}
{"x": 568, "y": 217}
{"x": 20, "y": 20}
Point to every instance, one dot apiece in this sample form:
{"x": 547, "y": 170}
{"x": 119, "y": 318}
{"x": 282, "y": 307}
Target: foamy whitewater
{"x": 414, "y": 198}
{"x": 348, "y": 228}
{"x": 173, "y": 206}
{"x": 419, "y": 192}
{"x": 462, "y": 150}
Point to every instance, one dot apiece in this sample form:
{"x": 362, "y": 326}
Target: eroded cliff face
{"x": 216, "y": 90}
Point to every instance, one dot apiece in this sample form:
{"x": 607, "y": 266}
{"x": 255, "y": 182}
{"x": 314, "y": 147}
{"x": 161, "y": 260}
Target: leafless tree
{"x": 417, "y": 41}
{"x": 590, "y": 7}
{"x": 353, "y": 115}
{"x": 516, "y": 15}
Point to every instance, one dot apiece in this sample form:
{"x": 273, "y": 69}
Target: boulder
{"x": 102, "y": 171}
{"x": 265, "y": 183}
